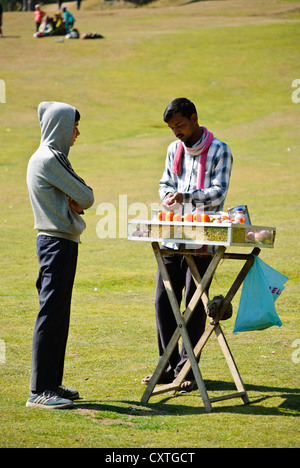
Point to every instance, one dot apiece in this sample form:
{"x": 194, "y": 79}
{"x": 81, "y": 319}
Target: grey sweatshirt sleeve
{"x": 50, "y": 179}
{"x": 61, "y": 175}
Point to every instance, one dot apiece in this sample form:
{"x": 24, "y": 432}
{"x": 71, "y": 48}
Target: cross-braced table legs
{"x": 182, "y": 320}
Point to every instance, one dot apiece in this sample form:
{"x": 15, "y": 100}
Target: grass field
{"x": 236, "y": 60}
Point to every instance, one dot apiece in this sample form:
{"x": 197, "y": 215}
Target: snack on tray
{"x": 238, "y": 235}
{"x": 262, "y": 236}
{"x": 215, "y": 234}
{"x": 142, "y": 230}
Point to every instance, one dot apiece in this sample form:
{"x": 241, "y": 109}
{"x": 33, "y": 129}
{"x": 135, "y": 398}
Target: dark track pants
{"x": 57, "y": 261}
{"x": 181, "y": 278}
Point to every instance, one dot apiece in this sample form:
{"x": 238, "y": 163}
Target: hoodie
{"x": 51, "y": 178}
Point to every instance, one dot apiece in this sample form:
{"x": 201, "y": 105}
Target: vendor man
{"x": 197, "y": 171}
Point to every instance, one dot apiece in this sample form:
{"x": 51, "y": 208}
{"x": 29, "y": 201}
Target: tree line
{"x": 19, "y": 5}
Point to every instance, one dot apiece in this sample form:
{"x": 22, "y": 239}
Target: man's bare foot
{"x": 165, "y": 378}
{"x": 188, "y": 386}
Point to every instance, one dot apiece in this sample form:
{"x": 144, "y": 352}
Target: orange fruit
{"x": 169, "y": 216}
{"x": 197, "y": 217}
{"x": 177, "y": 217}
{"x": 161, "y": 216}
{"x": 205, "y": 218}
{"x": 188, "y": 217}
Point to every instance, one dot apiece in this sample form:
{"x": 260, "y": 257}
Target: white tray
{"x": 201, "y": 233}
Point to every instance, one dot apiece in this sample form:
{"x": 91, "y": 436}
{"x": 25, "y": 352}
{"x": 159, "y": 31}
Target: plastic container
{"x": 239, "y": 217}
{"x": 239, "y": 209}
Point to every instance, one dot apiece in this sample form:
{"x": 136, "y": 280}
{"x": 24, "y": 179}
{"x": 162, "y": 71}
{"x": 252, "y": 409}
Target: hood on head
{"x": 57, "y": 124}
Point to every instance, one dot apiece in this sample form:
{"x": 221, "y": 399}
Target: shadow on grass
{"x": 193, "y": 1}
{"x": 290, "y": 405}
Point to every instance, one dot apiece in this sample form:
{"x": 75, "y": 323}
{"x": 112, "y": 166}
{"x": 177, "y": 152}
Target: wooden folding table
{"x": 188, "y": 233}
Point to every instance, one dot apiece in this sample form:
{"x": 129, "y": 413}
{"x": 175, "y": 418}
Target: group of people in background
{"x": 62, "y": 23}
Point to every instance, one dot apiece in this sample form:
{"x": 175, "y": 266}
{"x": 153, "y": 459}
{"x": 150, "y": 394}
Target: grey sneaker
{"x": 48, "y": 400}
{"x": 67, "y": 393}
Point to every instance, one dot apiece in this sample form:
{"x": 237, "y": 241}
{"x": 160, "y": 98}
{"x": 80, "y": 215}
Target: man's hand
{"x": 172, "y": 200}
{"x": 74, "y": 205}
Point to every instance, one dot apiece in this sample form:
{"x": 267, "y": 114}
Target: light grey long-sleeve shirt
{"x": 51, "y": 178}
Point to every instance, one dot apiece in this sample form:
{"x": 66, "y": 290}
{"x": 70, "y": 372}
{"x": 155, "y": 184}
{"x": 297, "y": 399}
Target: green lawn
{"x": 236, "y": 60}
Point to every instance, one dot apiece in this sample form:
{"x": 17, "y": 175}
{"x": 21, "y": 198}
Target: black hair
{"x": 77, "y": 115}
{"x": 183, "y": 105}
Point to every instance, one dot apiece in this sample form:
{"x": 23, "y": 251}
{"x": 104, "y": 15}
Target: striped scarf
{"x": 200, "y": 150}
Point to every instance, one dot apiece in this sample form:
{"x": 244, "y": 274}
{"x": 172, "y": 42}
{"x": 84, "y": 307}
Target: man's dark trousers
{"x": 57, "y": 261}
{"x": 181, "y": 279}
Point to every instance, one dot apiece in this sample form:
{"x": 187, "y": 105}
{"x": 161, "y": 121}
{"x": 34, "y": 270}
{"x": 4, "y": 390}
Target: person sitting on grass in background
{"x": 59, "y": 26}
{"x": 58, "y": 197}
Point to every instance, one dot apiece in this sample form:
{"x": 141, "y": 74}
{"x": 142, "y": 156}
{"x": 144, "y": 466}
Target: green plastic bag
{"x": 261, "y": 288}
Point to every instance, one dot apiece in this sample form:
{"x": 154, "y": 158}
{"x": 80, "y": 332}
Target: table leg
{"x": 231, "y": 364}
{"x": 215, "y": 326}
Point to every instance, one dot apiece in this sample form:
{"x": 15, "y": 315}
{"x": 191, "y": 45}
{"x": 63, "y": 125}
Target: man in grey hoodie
{"x": 58, "y": 197}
